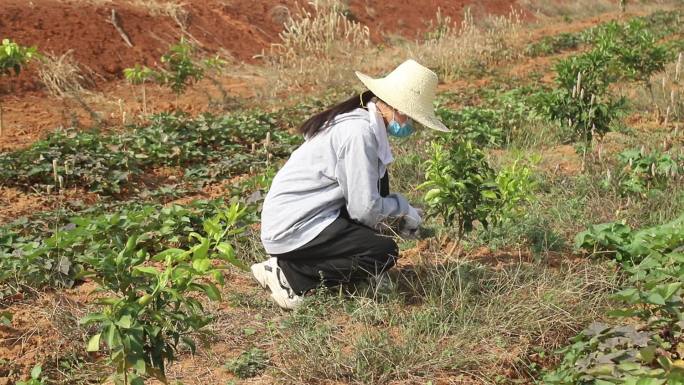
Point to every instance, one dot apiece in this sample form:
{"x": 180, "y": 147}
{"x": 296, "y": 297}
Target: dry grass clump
{"x": 321, "y": 47}
{"x": 453, "y": 49}
{"x": 172, "y": 9}
{"x": 64, "y": 79}
{"x": 667, "y": 92}
{"x": 578, "y": 8}
{"x": 317, "y": 43}
{"x": 61, "y": 75}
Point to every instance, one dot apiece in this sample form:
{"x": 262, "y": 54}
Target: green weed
{"x": 248, "y": 364}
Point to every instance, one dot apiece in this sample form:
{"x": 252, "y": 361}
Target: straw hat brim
{"x": 421, "y": 113}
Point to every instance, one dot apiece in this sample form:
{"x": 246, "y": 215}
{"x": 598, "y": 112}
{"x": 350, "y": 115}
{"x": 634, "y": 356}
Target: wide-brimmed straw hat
{"x": 410, "y": 88}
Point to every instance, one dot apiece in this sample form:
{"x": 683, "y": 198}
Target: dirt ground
{"x": 239, "y": 29}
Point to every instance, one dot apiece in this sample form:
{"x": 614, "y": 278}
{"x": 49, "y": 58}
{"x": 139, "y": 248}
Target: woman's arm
{"x": 357, "y": 175}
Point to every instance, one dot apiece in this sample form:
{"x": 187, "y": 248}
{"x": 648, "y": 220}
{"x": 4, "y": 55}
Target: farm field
{"x": 136, "y": 152}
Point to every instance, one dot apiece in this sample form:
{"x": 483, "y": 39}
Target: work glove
{"x": 411, "y": 222}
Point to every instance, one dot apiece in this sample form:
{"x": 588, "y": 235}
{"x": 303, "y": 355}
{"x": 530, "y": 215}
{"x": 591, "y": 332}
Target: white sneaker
{"x": 270, "y": 276}
{"x": 260, "y": 273}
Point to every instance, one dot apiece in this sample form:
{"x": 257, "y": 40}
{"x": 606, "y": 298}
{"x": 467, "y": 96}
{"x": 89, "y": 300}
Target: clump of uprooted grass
{"x": 457, "y": 320}
{"x": 64, "y": 79}
{"x": 62, "y": 76}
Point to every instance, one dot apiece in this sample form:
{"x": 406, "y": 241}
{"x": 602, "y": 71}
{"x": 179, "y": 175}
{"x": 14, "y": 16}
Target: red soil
{"x": 241, "y": 27}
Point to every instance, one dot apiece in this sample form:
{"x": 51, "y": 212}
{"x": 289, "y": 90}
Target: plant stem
{"x": 1, "y": 125}
{"x": 144, "y": 97}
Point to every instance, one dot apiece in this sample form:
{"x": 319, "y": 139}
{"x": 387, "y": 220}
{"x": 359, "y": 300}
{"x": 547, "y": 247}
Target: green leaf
{"x": 627, "y": 295}
{"x": 125, "y": 321}
{"x": 226, "y": 250}
{"x": 94, "y": 343}
{"x": 175, "y": 254}
{"x": 200, "y": 251}
{"x": 656, "y": 299}
{"x": 147, "y": 270}
{"x": 6, "y": 318}
{"x": 36, "y": 372}
{"x": 201, "y": 265}
{"x": 139, "y": 366}
{"x": 212, "y": 291}
{"x": 669, "y": 290}
{"x": 227, "y": 253}
{"x": 93, "y": 317}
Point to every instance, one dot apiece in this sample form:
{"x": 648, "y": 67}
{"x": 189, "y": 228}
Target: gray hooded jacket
{"x": 338, "y": 167}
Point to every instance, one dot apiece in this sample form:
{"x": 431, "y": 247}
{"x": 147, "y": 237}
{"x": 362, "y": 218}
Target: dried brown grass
{"x": 171, "y": 8}
{"x": 62, "y": 75}
{"x": 471, "y": 45}
{"x": 316, "y": 43}
{"x": 320, "y": 48}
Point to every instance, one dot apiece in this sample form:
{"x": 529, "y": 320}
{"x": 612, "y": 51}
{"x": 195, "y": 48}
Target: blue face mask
{"x": 400, "y": 130}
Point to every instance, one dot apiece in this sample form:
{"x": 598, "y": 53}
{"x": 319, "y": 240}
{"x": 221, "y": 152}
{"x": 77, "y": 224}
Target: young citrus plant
{"x": 154, "y": 308}
{"x": 461, "y": 186}
{"x": 13, "y": 58}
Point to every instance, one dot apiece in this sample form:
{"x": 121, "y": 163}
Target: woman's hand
{"x": 412, "y": 221}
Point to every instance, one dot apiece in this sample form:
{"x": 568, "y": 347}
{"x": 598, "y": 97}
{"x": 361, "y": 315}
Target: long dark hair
{"x": 321, "y": 120}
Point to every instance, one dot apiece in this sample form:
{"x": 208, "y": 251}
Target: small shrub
{"x": 140, "y": 75}
{"x": 13, "y": 58}
{"x": 153, "y": 310}
{"x": 581, "y": 103}
{"x": 180, "y": 68}
{"x": 461, "y": 186}
{"x": 553, "y": 44}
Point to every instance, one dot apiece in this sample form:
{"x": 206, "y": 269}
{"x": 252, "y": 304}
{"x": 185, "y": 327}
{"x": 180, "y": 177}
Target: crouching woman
{"x": 320, "y": 218}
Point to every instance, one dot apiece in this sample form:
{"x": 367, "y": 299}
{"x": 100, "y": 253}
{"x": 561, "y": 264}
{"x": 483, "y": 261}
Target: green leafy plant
{"x": 108, "y": 163}
{"x": 153, "y": 310}
{"x": 641, "y": 171}
{"x": 461, "y": 186}
{"x": 647, "y": 346}
{"x": 181, "y": 69}
{"x": 580, "y": 103}
{"x": 37, "y": 259}
{"x": 621, "y": 51}
{"x": 548, "y": 45}
{"x": 516, "y": 185}
{"x": 248, "y": 364}
{"x": 481, "y": 126}
{"x": 13, "y": 58}
{"x": 140, "y": 75}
